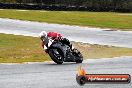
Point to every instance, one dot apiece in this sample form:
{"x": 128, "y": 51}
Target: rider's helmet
{"x": 43, "y": 35}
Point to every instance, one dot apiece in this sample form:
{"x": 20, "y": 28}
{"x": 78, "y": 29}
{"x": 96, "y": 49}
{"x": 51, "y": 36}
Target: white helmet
{"x": 43, "y": 34}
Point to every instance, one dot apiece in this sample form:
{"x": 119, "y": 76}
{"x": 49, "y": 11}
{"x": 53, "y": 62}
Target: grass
{"x": 18, "y": 49}
{"x": 21, "y": 49}
{"x": 102, "y": 51}
{"x": 93, "y": 19}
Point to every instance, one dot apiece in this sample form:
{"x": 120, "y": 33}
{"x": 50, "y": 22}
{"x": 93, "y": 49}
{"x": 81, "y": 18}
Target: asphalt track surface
{"x": 51, "y": 75}
{"x": 74, "y": 33}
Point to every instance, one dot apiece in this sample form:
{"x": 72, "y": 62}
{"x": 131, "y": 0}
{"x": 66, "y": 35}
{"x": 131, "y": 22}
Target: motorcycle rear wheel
{"x": 78, "y": 56}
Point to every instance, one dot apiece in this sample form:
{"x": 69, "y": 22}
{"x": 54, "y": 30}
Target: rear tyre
{"x": 78, "y": 56}
{"x": 56, "y": 55}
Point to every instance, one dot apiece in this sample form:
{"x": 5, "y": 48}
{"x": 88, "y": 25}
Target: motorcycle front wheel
{"x": 56, "y": 55}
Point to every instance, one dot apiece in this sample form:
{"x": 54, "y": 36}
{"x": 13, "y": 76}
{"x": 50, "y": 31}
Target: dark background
{"x": 69, "y": 5}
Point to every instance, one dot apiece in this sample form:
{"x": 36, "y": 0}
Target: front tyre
{"x": 56, "y": 55}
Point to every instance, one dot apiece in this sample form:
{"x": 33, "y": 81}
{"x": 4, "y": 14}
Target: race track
{"x": 74, "y": 33}
{"x": 51, "y": 75}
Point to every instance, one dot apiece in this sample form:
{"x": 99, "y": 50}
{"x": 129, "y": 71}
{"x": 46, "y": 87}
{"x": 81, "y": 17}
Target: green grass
{"x": 93, "y": 19}
{"x": 21, "y": 49}
{"x": 18, "y": 49}
{"x": 102, "y": 51}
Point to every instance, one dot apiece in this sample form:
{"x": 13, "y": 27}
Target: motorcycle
{"x": 60, "y": 53}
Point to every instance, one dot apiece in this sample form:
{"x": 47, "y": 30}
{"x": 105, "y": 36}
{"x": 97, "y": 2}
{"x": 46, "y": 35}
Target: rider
{"x": 44, "y": 36}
